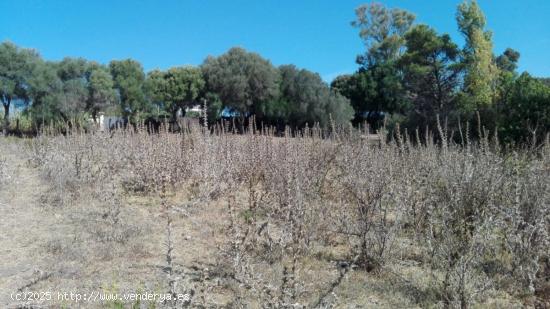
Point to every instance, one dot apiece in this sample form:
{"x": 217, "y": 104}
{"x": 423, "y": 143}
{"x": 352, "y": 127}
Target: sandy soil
{"x": 49, "y": 248}
{"x": 24, "y": 227}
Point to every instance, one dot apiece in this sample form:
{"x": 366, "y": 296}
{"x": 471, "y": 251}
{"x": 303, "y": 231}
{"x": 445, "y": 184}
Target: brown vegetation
{"x": 317, "y": 220}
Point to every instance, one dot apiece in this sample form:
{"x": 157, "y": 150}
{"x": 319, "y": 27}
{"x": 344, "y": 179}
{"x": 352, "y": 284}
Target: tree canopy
{"x": 176, "y": 88}
{"x": 16, "y": 67}
{"x": 242, "y": 80}
{"x": 381, "y": 30}
{"x": 481, "y": 71}
{"x": 431, "y": 73}
{"x": 526, "y": 112}
{"x": 101, "y": 93}
{"x": 306, "y": 99}
{"x": 129, "y": 80}
{"x": 408, "y": 74}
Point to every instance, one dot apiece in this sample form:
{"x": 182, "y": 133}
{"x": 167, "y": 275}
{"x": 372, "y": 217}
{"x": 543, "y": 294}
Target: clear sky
{"x": 315, "y": 35}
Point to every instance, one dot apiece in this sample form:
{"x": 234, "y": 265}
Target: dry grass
{"x": 316, "y": 220}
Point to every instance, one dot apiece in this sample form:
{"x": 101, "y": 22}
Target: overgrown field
{"x": 258, "y": 221}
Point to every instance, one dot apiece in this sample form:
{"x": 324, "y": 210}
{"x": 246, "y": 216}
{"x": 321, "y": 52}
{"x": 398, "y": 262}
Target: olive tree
{"x": 15, "y": 70}
{"x": 242, "y": 80}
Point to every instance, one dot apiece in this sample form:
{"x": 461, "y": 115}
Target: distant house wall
{"x": 101, "y": 122}
{"x": 196, "y": 108}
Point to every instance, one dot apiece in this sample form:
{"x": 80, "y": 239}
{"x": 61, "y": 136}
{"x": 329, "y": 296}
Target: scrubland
{"x": 312, "y": 219}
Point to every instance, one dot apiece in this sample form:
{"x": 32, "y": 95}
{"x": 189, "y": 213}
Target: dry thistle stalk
{"x": 471, "y": 216}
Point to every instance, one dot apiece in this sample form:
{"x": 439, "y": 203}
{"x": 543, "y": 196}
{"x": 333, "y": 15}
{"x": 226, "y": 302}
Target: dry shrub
{"x": 475, "y": 216}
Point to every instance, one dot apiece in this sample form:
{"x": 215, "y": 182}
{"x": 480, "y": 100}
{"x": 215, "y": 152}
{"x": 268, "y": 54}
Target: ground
{"x": 49, "y": 248}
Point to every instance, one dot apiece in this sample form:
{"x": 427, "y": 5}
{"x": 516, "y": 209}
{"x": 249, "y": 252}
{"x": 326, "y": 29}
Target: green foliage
{"x": 526, "y": 113}
{"x": 359, "y": 89}
{"x": 193, "y": 114}
{"x": 16, "y": 65}
{"x": 101, "y": 93}
{"x": 22, "y": 122}
{"x": 372, "y": 90}
{"x": 381, "y": 30}
{"x": 155, "y": 85}
{"x": 508, "y": 61}
{"x": 507, "y": 64}
{"x": 129, "y": 80}
{"x": 377, "y": 86}
{"x": 481, "y": 71}
{"x": 408, "y": 73}
{"x": 431, "y": 75}
{"x": 71, "y": 98}
{"x": 214, "y": 106}
{"x": 45, "y": 91}
{"x": 72, "y": 68}
{"x": 344, "y": 84}
{"x": 305, "y": 99}
{"x": 67, "y": 91}
{"x": 242, "y": 80}
{"x": 175, "y": 89}
{"x": 338, "y": 109}
{"x": 389, "y": 94}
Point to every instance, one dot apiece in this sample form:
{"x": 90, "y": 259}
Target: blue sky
{"x": 315, "y": 35}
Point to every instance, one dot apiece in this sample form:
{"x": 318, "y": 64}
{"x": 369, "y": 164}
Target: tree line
{"x": 412, "y": 75}
{"x": 408, "y": 75}
{"x": 74, "y": 89}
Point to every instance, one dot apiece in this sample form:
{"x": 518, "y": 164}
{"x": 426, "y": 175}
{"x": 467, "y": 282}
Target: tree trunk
{"x": 175, "y": 124}
{"x": 241, "y": 120}
{"x": 6, "y": 118}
